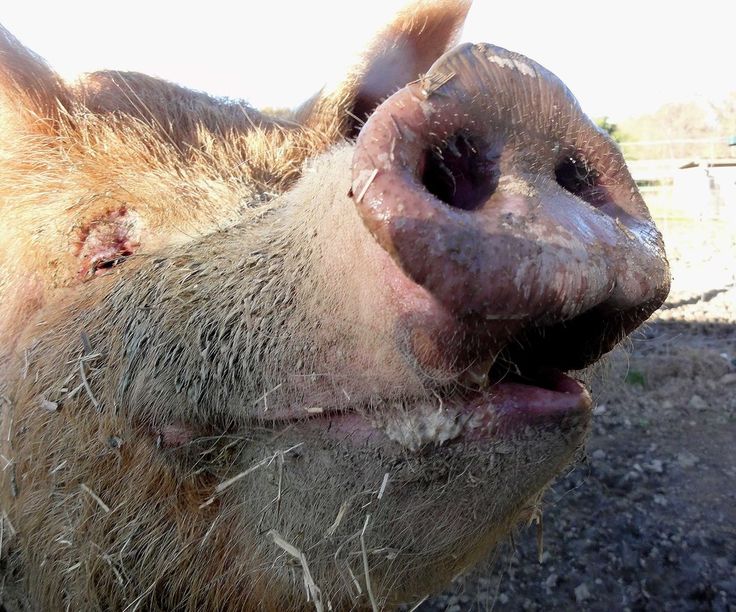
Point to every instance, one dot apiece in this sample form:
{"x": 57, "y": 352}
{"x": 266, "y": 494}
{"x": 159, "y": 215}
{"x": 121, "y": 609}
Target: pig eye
{"x": 103, "y": 264}
{"x": 460, "y": 173}
{"x": 577, "y": 177}
{"x": 107, "y": 241}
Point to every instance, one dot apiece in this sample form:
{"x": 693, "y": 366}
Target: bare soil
{"x": 647, "y": 521}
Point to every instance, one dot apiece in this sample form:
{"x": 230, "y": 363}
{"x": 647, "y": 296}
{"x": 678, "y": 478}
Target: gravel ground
{"x": 647, "y": 521}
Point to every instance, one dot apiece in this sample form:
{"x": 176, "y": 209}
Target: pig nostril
{"x": 460, "y": 173}
{"x": 577, "y": 177}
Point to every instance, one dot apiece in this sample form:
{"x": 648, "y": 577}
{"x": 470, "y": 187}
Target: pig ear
{"x": 32, "y": 96}
{"x": 399, "y": 54}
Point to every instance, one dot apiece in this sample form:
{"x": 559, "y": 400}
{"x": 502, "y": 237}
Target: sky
{"x": 619, "y": 58}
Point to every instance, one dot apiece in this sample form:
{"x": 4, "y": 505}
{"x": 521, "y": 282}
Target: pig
{"x": 317, "y": 359}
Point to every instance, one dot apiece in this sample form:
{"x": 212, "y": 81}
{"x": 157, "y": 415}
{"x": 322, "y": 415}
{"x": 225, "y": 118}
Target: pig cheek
{"x": 19, "y": 306}
{"x": 405, "y": 330}
{"x": 363, "y": 338}
{"x": 425, "y": 332}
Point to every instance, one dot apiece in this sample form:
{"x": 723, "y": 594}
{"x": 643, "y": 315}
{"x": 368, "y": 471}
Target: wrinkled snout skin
{"x": 254, "y": 362}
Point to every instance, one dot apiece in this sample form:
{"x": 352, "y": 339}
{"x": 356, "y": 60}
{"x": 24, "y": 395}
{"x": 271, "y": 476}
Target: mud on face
{"x": 251, "y": 362}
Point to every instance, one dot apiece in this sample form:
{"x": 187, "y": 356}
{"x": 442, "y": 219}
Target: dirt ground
{"x": 648, "y": 520}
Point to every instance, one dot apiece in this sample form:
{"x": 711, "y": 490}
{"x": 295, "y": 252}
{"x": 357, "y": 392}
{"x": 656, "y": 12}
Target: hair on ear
{"x": 32, "y": 96}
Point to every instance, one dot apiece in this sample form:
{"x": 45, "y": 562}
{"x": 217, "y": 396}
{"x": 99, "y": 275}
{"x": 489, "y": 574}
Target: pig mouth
{"x": 503, "y": 406}
{"x": 509, "y": 408}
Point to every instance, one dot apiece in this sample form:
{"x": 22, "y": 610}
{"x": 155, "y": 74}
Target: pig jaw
{"x": 431, "y": 518}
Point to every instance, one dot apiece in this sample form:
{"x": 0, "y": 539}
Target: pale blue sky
{"x": 619, "y": 57}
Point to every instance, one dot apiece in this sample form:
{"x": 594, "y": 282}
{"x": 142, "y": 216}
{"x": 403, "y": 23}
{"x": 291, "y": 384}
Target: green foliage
{"x": 676, "y": 120}
{"x": 680, "y": 130}
{"x": 609, "y": 127}
{"x": 636, "y": 378}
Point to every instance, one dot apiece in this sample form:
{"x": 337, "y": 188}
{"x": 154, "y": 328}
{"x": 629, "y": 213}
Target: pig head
{"x": 314, "y": 360}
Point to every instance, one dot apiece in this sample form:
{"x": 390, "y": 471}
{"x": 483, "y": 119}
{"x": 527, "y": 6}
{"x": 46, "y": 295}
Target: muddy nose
{"x": 490, "y": 188}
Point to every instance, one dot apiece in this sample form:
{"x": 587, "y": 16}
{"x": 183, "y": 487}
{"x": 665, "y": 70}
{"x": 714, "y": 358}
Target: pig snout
{"x": 489, "y": 187}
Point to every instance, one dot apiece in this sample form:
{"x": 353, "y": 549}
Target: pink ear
{"x": 406, "y": 49}
{"x": 32, "y": 96}
{"x": 398, "y": 54}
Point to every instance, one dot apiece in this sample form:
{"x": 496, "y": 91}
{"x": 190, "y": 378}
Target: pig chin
{"x": 425, "y": 516}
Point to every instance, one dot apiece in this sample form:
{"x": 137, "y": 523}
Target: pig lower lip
{"x": 504, "y": 410}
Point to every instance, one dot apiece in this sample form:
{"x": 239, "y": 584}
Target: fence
{"x": 695, "y": 181}
{"x": 683, "y": 149}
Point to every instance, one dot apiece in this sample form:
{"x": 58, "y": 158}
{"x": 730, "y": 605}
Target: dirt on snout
{"x": 648, "y": 520}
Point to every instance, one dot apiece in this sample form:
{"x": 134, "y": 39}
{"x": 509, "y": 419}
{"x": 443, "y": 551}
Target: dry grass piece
{"x": 94, "y": 496}
{"x": 338, "y": 519}
{"x": 371, "y": 178}
{"x": 366, "y": 571}
{"x": 313, "y": 591}
{"x": 231, "y": 481}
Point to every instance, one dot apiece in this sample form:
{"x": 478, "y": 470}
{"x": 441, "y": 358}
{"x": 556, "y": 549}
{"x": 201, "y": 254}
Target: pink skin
{"x": 513, "y": 406}
{"x": 108, "y": 239}
{"x": 174, "y": 435}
